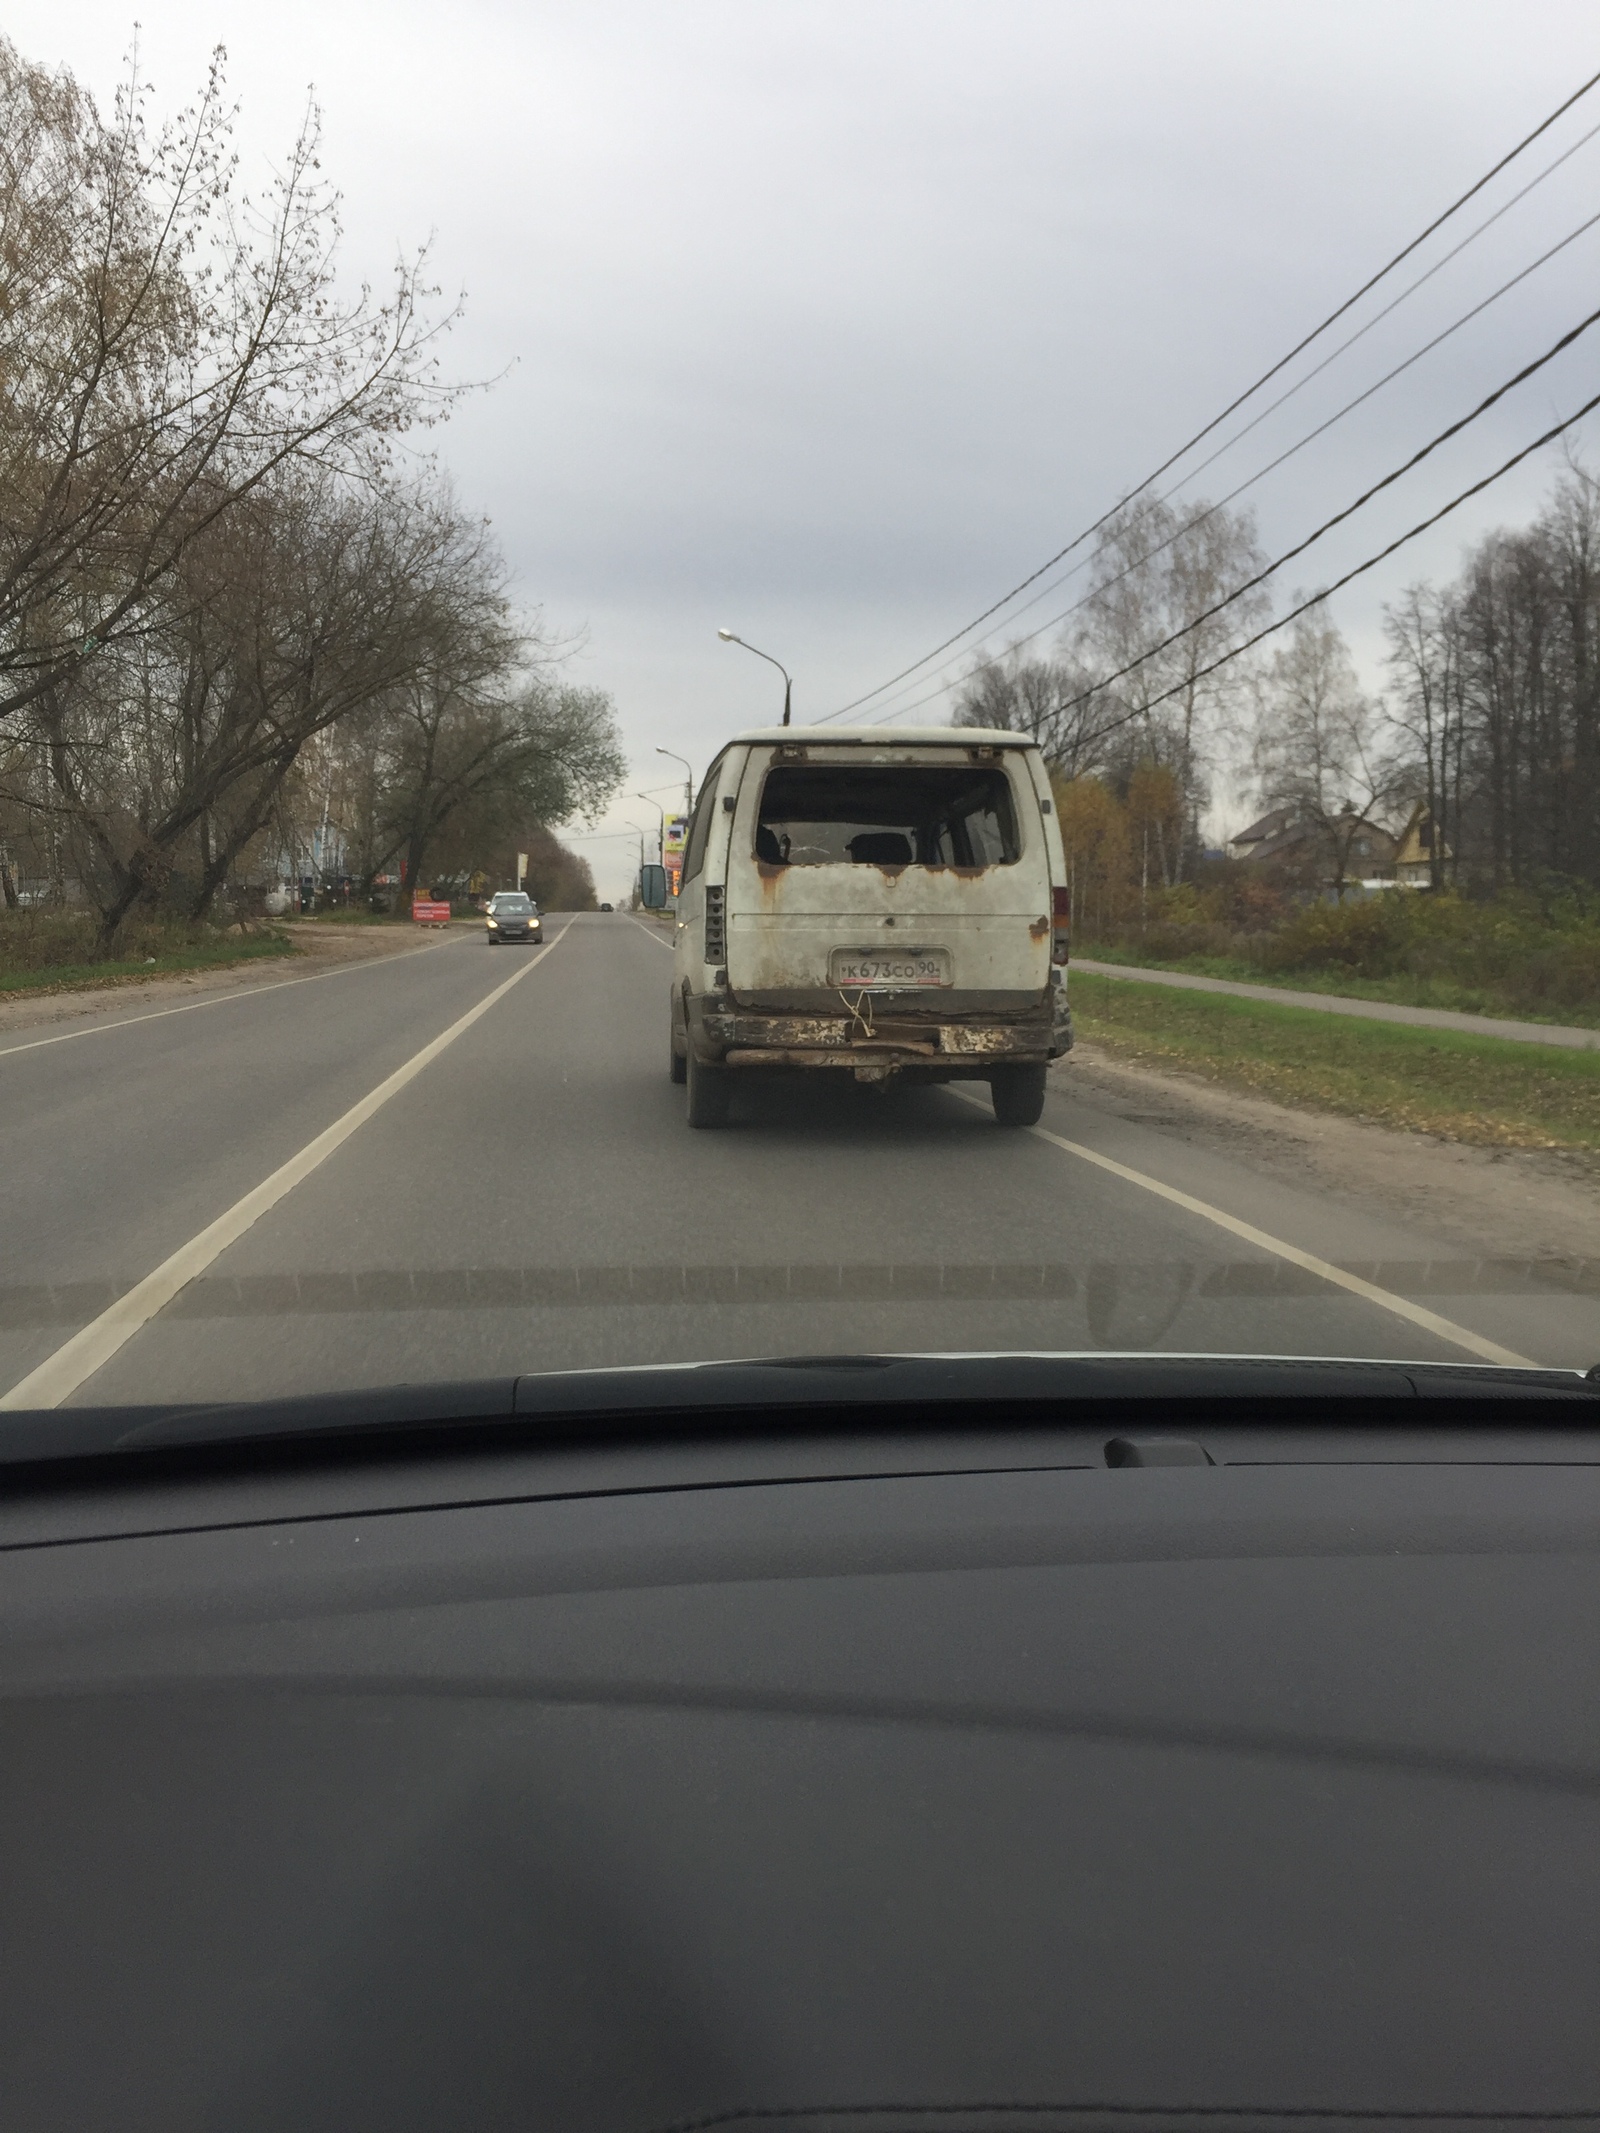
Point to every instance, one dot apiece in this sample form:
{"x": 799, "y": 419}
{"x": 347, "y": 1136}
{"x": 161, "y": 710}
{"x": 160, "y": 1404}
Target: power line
{"x": 1409, "y": 290}
{"x": 1327, "y": 591}
{"x": 1234, "y": 405}
{"x": 1189, "y": 525}
{"x": 1453, "y": 429}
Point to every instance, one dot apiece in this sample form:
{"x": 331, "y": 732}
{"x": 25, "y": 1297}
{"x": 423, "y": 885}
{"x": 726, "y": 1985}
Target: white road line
{"x": 650, "y": 934}
{"x": 221, "y": 999}
{"x": 1445, "y": 1328}
{"x": 61, "y": 1374}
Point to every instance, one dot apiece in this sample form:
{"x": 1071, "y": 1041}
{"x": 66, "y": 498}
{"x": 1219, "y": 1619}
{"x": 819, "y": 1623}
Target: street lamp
{"x": 661, "y": 845}
{"x": 728, "y": 637}
{"x": 688, "y": 787}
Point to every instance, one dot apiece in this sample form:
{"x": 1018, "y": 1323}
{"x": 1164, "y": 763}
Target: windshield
{"x": 1023, "y": 630}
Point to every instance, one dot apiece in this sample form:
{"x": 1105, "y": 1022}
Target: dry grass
{"x": 1467, "y": 1088}
{"x": 49, "y": 951}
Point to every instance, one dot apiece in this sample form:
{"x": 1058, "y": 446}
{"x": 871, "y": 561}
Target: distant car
{"x": 605, "y": 907}
{"x": 511, "y": 916}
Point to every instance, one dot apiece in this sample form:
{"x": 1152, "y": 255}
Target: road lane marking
{"x": 222, "y": 999}
{"x": 1417, "y": 1314}
{"x": 650, "y": 934}
{"x": 94, "y": 1345}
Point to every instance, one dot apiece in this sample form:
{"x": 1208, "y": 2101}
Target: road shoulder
{"x": 1508, "y": 1202}
{"x": 318, "y": 948}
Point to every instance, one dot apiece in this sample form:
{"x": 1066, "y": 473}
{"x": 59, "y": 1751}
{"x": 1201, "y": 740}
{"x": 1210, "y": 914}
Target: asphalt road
{"x": 529, "y": 1197}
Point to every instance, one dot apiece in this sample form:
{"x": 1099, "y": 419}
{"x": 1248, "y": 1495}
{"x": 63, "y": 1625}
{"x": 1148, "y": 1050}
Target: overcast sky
{"x": 829, "y": 322}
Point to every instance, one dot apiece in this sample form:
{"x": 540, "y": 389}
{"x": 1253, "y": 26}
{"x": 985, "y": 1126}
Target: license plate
{"x": 878, "y": 970}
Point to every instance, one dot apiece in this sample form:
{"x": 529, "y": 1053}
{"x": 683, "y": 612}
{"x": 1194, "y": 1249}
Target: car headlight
{"x": 495, "y": 923}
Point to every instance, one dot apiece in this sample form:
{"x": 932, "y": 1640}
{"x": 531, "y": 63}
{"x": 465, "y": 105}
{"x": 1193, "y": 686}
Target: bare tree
{"x": 1157, "y": 569}
{"x": 1045, "y": 698}
{"x": 165, "y": 757}
{"x": 1317, "y": 747}
{"x": 469, "y": 766}
{"x": 215, "y": 588}
{"x": 166, "y": 347}
{"x": 1425, "y": 648}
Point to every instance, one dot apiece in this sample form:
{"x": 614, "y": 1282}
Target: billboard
{"x": 673, "y": 835}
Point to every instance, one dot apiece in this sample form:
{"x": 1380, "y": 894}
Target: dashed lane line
{"x": 1416, "y": 1314}
{"x": 60, "y": 1375}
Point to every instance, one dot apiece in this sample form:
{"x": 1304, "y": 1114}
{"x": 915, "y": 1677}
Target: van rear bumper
{"x": 968, "y": 1047}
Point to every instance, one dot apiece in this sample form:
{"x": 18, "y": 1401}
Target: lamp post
{"x": 728, "y": 637}
{"x": 661, "y": 834}
{"x": 688, "y": 778}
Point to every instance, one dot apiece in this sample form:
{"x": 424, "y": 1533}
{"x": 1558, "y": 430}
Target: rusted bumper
{"x": 869, "y": 1047}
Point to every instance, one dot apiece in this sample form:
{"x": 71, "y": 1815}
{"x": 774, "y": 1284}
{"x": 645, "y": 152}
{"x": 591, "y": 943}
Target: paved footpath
{"x": 1329, "y": 1003}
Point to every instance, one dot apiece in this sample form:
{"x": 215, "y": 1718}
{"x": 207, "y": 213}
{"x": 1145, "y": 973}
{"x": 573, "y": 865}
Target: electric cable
{"x": 1249, "y": 393}
{"x": 1271, "y": 466}
{"x": 1453, "y": 429}
{"x": 1338, "y": 585}
{"x": 1377, "y": 318}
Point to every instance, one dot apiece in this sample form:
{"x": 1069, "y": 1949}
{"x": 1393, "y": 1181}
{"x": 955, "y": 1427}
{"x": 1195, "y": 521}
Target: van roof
{"x": 885, "y": 736}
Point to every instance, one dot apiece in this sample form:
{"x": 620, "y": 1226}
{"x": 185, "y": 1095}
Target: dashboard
{"x": 912, "y": 1742}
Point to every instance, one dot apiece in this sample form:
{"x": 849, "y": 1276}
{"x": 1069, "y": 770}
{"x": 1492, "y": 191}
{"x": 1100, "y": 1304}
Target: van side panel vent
{"x": 716, "y": 931}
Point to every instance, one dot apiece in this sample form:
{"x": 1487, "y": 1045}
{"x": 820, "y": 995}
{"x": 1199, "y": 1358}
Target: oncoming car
{"x": 511, "y": 916}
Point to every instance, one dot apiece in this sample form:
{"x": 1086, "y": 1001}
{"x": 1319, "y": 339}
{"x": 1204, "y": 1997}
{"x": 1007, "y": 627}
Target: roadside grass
{"x": 1488, "y": 1090}
{"x": 1402, "y": 991}
{"x": 53, "y": 951}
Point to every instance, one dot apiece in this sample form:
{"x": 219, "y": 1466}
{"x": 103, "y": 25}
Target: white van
{"x": 891, "y": 905}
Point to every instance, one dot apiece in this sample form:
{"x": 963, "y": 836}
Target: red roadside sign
{"x": 429, "y": 914}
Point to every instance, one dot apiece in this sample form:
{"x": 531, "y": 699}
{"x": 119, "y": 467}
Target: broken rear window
{"x": 886, "y": 814}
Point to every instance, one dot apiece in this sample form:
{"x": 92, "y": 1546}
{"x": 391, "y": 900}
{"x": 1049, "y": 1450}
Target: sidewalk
{"x": 1327, "y": 1003}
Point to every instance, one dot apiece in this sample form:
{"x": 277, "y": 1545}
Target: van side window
{"x": 886, "y": 815}
{"x": 694, "y": 852}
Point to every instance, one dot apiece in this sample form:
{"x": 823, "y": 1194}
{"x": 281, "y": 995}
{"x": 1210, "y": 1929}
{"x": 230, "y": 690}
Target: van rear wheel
{"x": 680, "y": 1064}
{"x": 1017, "y": 1093}
{"x": 708, "y": 1092}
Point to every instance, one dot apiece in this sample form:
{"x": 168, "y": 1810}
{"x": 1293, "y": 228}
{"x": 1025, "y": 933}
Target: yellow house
{"x": 1413, "y": 861}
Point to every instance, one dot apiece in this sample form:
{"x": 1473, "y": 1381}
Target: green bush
{"x": 1513, "y": 954}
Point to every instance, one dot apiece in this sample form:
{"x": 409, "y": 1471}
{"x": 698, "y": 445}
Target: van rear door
{"x": 918, "y": 871}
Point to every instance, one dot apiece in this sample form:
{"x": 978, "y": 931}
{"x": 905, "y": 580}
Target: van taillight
{"x": 716, "y": 927}
{"x": 1061, "y": 926}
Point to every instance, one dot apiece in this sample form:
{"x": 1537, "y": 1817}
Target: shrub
{"x": 1515, "y": 952}
{"x": 34, "y": 940}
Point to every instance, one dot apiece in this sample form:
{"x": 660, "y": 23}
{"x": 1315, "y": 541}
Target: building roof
{"x": 1268, "y": 826}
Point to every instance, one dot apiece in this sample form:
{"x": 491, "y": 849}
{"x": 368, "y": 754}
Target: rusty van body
{"x": 885, "y": 905}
